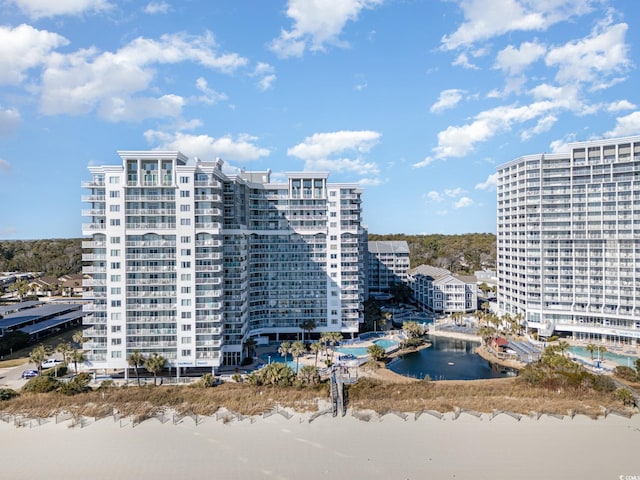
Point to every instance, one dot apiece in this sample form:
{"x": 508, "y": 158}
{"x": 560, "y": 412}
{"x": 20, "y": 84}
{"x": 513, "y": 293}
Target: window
{"x": 116, "y": 317}
{"x": 186, "y": 328}
{"x": 186, "y": 315}
{"x": 185, "y": 221}
{"x": 185, "y": 340}
{"x": 114, "y": 252}
{"x": 115, "y": 240}
{"x": 333, "y": 238}
{"x": 185, "y": 264}
{"x": 333, "y": 214}
{"x": 185, "y": 302}
{"x": 116, "y": 341}
{"x": 114, "y": 222}
{"x": 185, "y": 193}
{"x": 116, "y": 328}
{"x": 184, "y": 179}
{"x": 334, "y": 275}
{"x": 185, "y": 252}
{"x": 185, "y": 277}
{"x": 115, "y": 278}
{"x": 332, "y": 193}
{"x": 334, "y": 256}
{"x": 185, "y": 290}
{"x": 334, "y": 312}
{"x": 114, "y": 208}
{"x": 116, "y": 354}
{"x": 114, "y": 194}
{"x": 186, "y": 239}
{"x": 185, "y": 208}
{"x": 116, "y": 290}
{"x": 115, "y": 265}
{"x": 114, "y": 180}
{"x": 186, "y": 352}
{"x": 334, "y": 293}
{"x": 116, "y": 303}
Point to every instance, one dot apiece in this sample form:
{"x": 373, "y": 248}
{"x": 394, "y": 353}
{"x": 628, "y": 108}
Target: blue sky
{"x": 416, "y": 100}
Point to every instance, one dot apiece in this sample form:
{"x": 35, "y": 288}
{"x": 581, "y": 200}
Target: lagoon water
{"x": 447, "y": 359}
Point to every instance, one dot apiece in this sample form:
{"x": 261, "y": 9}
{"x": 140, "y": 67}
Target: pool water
{"x": 360, "y": 351}
{"x": 624, "y": 360}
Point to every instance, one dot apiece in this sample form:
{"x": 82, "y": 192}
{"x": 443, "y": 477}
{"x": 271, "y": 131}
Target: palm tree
{"x": 601, "y": 350}
{"x": 309, "y": 375}
{"x": 307, "y": 326}
{"x": 77, "y": 356}
{"x": 136, "y": 360}
{"x": 297, "y": 350}
{"x": 79, "y": 337}
{"x": 250, "y": 344}
{"x": 563, "y": 346}
{"x": 64, "y": 348}
{"x": 376, "y": 352}
{"x": 591, "y": 348}
{"x": 315, "y": 348}
{"x": 38, "y": 355}
{"x": 284, "y": 349}
{"x": 155, "y": 363}
{"x": 334, "y": 338}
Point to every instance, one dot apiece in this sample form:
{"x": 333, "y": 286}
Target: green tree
{"x": 376, "y": 352}
{"x": 38, "y": 355}
{"x": 79, "y": 338}
{"x": 284, "y": 349}
{"x": 277, "y": 374}
{"x": 136, "y": 360}
{"x": 486, "y": 333}
{"x": 250, "y": 345}
{"x": 297, "y": 350}
{"x": 592, "y": 348}
{"x": 601, "y": 351}
{"x": 624, "y": 395}
{"x": 413, "y": 329}
{"x": 333, "y": 338}
{"x": 307, "y": 326}
{"x": 21, "y": 287}
{"x": 316, "y": 348}
{"x": 637, "y": 362}
{"x": 563, "y": 347}
{"x": 64, "y": 348}
{"x": 77, "y": 356}
{"x": 155, "y": 363}
{"x": 309, "y": 375}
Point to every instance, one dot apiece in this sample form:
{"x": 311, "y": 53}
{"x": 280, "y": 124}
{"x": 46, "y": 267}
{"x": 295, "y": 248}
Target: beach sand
{"x": 388, "y": 447}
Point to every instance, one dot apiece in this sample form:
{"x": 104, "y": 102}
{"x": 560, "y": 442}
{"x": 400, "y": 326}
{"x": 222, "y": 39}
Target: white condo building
{"x": 388, "y": 265}
{"x": 568, "y": 238}
{"x": 188, "y": 262}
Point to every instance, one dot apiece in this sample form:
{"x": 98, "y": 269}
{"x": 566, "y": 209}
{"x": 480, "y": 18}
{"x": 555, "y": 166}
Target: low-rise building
{"x": 440, "y": 291}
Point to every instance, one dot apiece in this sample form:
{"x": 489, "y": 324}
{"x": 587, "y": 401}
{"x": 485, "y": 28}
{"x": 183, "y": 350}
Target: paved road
{"x": 12, "y": 376}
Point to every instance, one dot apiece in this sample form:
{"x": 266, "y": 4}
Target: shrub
{"x": 7, "y": 394}
{"x": 624, "y": 395}
{"x": 78, "y": 384}
{"x": 236, "y": 377}
{"x": 376, "y": 352}
{"x": 41, "y": 384}
{"x": 626, "y": 373}
{"x": 207, "y": 380}
{"x": 59, "y": 371}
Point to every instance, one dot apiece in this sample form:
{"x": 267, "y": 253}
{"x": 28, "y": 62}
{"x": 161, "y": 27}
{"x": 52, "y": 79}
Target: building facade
{"x": 440, "y": 291}
{"x": 388, "y": 265}
{"x": 188, "y": 262}
{"x": 568, "y": 238}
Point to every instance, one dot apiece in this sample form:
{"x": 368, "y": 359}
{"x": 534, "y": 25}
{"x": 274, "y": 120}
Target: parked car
{"x": 29, "y": 374}
{"x": 51, "y": 362}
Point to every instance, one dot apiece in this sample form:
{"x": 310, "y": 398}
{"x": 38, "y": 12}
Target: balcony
{"x": 93, "y": 226}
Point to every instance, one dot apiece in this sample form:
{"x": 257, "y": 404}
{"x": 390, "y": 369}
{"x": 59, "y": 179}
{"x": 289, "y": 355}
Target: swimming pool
{"x": 624, "y": 360}
{"x": 360, "y": 351}
{"x": 277, "y": 358}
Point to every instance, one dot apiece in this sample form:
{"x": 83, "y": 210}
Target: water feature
{"x": 448, "y": 359}
{"x": 624, "y": 360}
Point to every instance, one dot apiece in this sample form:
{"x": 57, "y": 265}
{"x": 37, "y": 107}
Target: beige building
{"x": 440, "y": 291}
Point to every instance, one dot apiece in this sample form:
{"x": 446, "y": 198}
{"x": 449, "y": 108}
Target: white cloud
{"x": 485, "y": 19}
{"x": 625, "y": 126}
{"x": 23, "y": 48}
{"x": 317, "y": 24}
{"x": 114, "y": 82}
{"x": 210, "y": 96}
{"x": 370, "y": 182}
{"x": 463, "y": 202}
{"x": 543, "y": 125}
{"x": 453, "y": 192}
{"x": 52, "y": 8}
{"x": 594, "y": 58}
{"x": 424, "y": 162}
{"x": 489, "y": 184}
{"x": 266, "y": 75}
{"x": 5, "y": 166}
{"x": 241, "y": 148}
{"x": 154, "y": 8}
{"x": 447, "y": 99}
{"x": 324, "y": 151}
{"x": 8, "y": 231}
{"x": 462, "y": 60}
{"x": 434, "y": 196}
{"x": 9, "y": 120}
{"x": 620, "y": 105}
{"x": 515, "y": 60}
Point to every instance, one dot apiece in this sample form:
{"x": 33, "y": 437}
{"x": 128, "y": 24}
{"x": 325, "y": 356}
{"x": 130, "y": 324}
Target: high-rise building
{"x": 568, "y": 249}
{"x": 388, "y": 265}
{"x": 188, "y": 262}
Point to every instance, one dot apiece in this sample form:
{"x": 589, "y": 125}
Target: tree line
{"x": 462, "y": 254}
{"x": 54, "y": 257}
